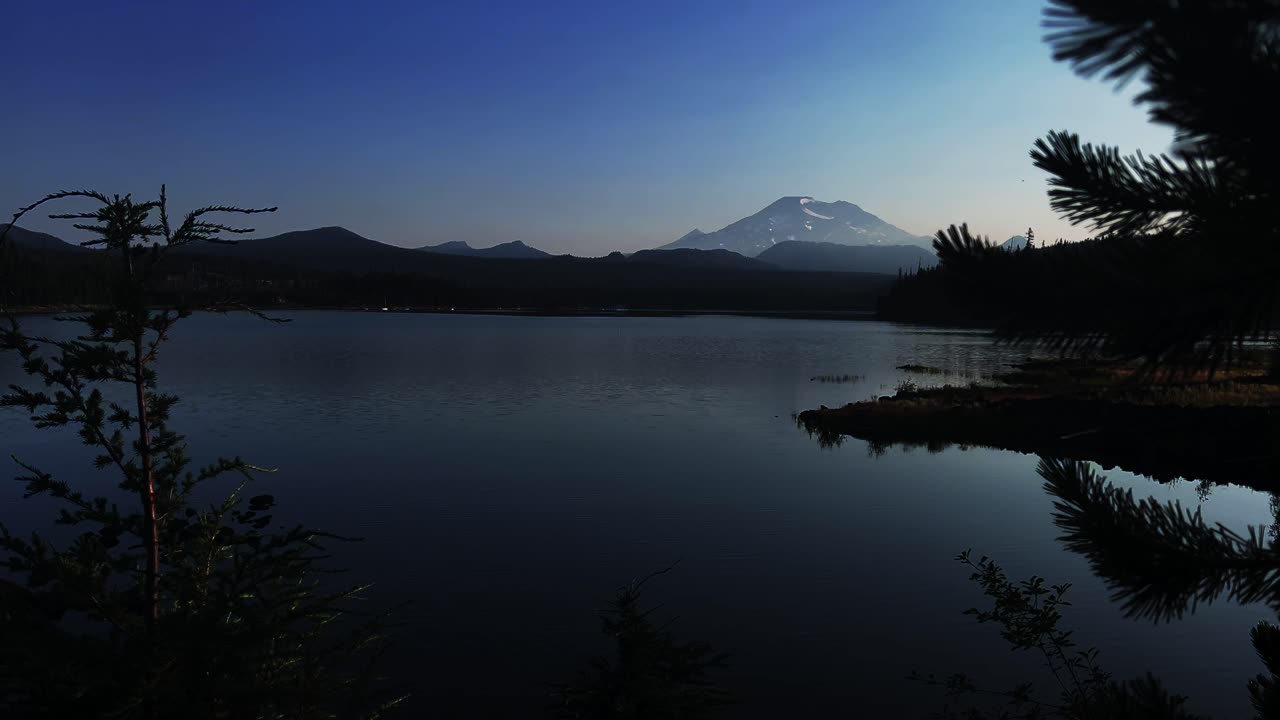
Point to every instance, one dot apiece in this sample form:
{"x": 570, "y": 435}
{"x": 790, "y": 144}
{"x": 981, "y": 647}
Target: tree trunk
{"x": 151, "y": 533}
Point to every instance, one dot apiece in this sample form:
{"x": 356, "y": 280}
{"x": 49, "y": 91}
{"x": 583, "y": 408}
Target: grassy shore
{"x": 1222, "y": 430}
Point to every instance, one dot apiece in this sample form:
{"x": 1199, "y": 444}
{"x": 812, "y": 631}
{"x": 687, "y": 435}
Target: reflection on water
{"x": 1161, "y": 562}
{"x": 510, "y": 473}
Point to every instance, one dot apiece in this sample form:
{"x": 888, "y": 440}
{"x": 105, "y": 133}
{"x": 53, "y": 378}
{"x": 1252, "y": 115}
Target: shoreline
{"x": 1221, "y": 432}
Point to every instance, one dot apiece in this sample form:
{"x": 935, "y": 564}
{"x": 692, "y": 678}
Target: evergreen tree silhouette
{"x": 1188, "y": 243}
{"x": 650, "y": 675}
{"x": 1182, "y": 268}
{"x": 159, "y": 606}
{"x": 1200, "y": 222}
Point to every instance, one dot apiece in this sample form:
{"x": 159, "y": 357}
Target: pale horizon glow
{"x": 572, "y": 127}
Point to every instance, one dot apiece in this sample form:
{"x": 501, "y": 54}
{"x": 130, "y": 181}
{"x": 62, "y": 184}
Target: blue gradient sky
{"x": 577, "y": 127}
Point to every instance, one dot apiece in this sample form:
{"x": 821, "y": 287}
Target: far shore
{"x": 516, "y": 312}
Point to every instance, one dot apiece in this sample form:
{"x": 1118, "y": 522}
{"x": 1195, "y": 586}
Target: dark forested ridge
{"x": 1136, "y": 296}
{"x": 889, "y": 259}
{"x": 1078, "y": 288}
{"x": 708, "y": 259}
{"x": 513, "y": 249}
{"x": 334, "y": 267}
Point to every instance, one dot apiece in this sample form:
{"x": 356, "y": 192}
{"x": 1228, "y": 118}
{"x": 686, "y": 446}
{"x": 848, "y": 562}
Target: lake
{"x": 508, "y": 473}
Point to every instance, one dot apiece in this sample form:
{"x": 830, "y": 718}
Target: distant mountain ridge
{"x": 337, "y": 249}
{"x": 331, "y": 248}
{"x": 832, "y": 257}
{"x": 514, "y": 249}
{"x": 694, "y": 258}
{"x": 800, "y": 218}
{"x": 689, "y": 237}
{"x": 37, "y": 240}
{"x": 335, "y": 267}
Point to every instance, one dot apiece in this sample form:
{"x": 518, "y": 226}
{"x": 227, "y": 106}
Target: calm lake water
{"x": 508, "y": 473}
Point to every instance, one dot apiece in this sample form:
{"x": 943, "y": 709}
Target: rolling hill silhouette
{"x": 20, "y": 236}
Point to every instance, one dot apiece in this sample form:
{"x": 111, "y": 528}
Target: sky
{"x": 580, "y": 127}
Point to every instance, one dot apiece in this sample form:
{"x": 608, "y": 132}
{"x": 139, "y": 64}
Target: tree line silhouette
{"x": 1187, "y": 248}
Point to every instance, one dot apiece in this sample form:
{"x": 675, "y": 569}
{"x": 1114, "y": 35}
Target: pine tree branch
{"x": 1159, "y": 560}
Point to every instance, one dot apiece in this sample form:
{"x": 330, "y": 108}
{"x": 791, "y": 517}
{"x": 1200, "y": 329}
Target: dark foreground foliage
{"x": 1029, "y": 615}
{"x": 652, "y": 674}
{"x": 171, "y": 591}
